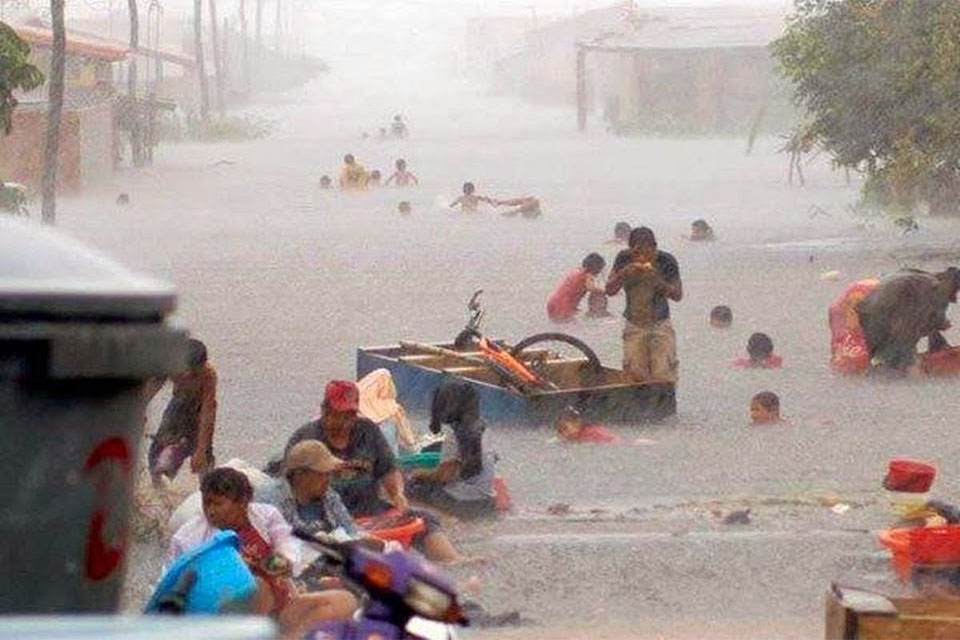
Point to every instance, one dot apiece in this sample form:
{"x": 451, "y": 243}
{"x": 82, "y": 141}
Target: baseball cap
{"x": 342, "y": 395}
{"x": 312, "y": 455}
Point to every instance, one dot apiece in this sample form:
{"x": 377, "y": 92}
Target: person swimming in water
{"x": 401, "y": 177}
{"x": 527, "y": 206}
{"x": 470, "y": 201}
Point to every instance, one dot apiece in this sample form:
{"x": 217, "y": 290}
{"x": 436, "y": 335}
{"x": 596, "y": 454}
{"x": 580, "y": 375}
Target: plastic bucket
{"x": 223, "y": 580}
{"x": 423, "y": 460}
{"x": 909, "y": 476}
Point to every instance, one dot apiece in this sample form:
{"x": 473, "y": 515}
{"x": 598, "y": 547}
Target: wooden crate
{"x": 857, "y": 614}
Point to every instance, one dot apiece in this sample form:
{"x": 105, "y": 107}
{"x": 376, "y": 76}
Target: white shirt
{"x": 265, "y": 518}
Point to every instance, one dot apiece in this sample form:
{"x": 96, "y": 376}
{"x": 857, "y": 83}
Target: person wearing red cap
{"x": 368, "y": 465}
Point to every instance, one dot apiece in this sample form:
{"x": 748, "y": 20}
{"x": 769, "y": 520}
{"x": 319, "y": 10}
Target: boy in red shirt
{"x": 760, "y": 354}
{"x": 563, "y": 302}
{"x": 570, "y": 427}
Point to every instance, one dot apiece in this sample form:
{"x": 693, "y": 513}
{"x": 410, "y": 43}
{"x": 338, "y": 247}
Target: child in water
{"x": 760, "y": 354}
{"x": 373, "y": 180}
{"x": 404, "y": 208}
{"x": 700, "y": 231}
{"x": 527, "y": 206}
{"x": 470, "y": 200}
{"x": 353, "y": 176}
{"x": 401, "y": 177}
{"x": 571, "y": 428}
{"x": 562, "y": 304}
{"x": 721, "y": 317}
{"x": 325, "y": 182}
{"x": 765, "y": 408}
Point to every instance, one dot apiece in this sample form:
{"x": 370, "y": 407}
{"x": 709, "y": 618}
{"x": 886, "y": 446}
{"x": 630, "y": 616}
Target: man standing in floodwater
{"x": 649, "y": 278}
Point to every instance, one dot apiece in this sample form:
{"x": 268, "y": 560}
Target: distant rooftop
{"x": 696, "y": 28}
{"x": 78, "y": 45}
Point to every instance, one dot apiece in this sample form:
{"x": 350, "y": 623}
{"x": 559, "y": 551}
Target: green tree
{"x": 880, "y": 81}
{"x": 16, "y": 73}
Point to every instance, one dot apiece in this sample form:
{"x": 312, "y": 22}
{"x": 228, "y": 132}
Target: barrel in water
{"x": 79, "y": 337}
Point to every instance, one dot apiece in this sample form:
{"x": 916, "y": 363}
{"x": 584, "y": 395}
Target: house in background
{"x": 694, "y": 71}
{"x": 88, "y": 134}
{"x": 670, "y": 70}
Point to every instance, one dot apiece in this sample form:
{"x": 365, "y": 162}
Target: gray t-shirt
{"x": 478, "y": 487}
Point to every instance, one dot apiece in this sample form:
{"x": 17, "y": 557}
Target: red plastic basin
{"x": 922, "y": 546}
{"x": 393, "y": 525}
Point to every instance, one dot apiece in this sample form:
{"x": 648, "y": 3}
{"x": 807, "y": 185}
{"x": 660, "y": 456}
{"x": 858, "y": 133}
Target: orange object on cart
{"x": 927, "y": 547}
{"x": 393, "y": 525}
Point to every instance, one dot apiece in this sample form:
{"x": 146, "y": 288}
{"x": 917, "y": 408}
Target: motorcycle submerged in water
{"x": 407, "y": 598}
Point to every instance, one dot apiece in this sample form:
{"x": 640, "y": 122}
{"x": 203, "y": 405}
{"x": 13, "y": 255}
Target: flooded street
{"x": 283, "y": 281}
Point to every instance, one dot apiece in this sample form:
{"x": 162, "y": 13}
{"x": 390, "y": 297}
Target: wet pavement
{"x": 283, "y": 281}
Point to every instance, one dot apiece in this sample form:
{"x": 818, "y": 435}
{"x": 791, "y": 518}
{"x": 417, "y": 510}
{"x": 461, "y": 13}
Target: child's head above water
{"x": 349, "y": 159}
{"x": 759, "y": 347}
{"x": 700, "y": 230}
{"x": 593, "y": 263}
{"x": 765, "y": 408}
{"x": 621, "y": 231}
{"x": 375, "y": 175}
{"x": 401, "y": 164}
{"x": 325, "y": 181}
{"x": 404, "y": 207}
{"x": 568, "y": 424}
{"x": 468, "y": 188}
{"x": 721, "y": 317}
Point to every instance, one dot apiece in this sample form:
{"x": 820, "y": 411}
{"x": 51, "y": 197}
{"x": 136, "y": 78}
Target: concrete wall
{"x": 87, "y": 142}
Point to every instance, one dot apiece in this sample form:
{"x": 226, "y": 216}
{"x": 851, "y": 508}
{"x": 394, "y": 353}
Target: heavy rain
{"x": 699, "y": 524}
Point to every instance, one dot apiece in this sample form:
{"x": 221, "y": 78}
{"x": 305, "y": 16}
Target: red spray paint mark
{"x": 103, "y": 559}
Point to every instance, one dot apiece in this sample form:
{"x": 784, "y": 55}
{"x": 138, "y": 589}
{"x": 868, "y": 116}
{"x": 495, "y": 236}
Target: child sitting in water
{"x": 469, "y": 202}
{"x": 721, "y": 317}
{"x": 401, "y": 177}
{"x": 404, "y": 208}
{"x": 765, "y": 408}
{"x": 760, "y": 354}
{"x": 352, "y": 176}
{"x": 373, "y": 180}
{"x": 700, "y": 231}
{"x": 621, "y": 233}
{"x": 325, "y": 182}
{"x": 570, "y": 427}
{"x": 562, "y": 304}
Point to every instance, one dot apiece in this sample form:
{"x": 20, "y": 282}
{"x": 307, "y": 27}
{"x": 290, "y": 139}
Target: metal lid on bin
{"x": 45, "y": 274}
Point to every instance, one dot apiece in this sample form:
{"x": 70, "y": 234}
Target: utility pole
{"x": 245, "y": 53}
{"x": 215, "y": 49}
{"x": 276, "y": 28}
{"x": 198, "y": 55}
{"x": 581, "y": 87}
{"x": 136, "y": 131}
{"x": 51, "y": 147}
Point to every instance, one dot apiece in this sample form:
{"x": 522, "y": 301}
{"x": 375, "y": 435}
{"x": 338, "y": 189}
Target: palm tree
{"x": 198, "y": 53}
{"x": 51, "y": 149}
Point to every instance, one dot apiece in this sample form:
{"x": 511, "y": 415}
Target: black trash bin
{"x": 79, "y": 337}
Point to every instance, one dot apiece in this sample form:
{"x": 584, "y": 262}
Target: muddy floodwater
{"x": 284, "y": 281}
